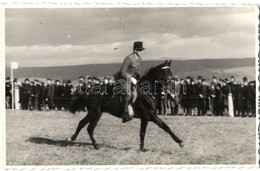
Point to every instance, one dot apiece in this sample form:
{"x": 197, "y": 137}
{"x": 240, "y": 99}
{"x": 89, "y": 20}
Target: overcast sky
{"x": 50, "y": 37}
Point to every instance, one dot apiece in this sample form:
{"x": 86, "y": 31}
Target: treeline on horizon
{"x": 179, "y": 67}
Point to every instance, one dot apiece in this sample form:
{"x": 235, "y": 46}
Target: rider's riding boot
{"x": 126, "y": 116}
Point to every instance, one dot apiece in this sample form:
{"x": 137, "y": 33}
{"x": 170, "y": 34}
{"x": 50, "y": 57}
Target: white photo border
{"x": 119, "y": 4}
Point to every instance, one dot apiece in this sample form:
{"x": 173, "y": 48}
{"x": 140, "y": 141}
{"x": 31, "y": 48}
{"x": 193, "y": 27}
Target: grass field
{"x": 38, "y": 138}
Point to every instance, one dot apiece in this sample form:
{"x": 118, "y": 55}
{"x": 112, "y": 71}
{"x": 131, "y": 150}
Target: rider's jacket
{"x": 130, "y": 67}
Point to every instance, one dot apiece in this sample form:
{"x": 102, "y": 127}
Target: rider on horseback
{"x": 128, "y": 75}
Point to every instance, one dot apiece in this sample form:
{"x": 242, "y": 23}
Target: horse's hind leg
{"x": 91, "y": 127}
{"x": 162, "y": 125}
{"x": 144, "y": 123}
{"x": 81, "y": 125}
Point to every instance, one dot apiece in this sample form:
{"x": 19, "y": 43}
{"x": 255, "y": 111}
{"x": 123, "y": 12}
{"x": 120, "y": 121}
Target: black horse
{"x": 144, "y": 107}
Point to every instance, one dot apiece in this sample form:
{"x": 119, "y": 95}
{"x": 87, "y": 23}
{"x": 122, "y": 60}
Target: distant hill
{"x": 203, "y": 67}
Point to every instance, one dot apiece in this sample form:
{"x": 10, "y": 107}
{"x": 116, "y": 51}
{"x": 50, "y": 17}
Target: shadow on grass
{"x": 65, "y": 143}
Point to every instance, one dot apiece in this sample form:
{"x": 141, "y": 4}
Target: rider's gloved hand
{"x": 138, "y": 76}
{"x": 133, "y": 80}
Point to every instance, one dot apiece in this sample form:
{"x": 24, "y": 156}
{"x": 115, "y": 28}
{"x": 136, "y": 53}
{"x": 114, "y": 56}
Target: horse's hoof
{"x": 96, "y": 147}
{"x": 144, "y": 150}
{"x": 181, "y": 144}
{"x": 71, "y": 139}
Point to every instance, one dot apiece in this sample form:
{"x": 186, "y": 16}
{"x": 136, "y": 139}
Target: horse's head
{"x": 158, "y": 77}
{"x": 165, "y": 71}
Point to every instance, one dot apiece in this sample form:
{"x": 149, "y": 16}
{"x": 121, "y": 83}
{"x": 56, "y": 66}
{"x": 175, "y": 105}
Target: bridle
{"x": 164, "y": 79}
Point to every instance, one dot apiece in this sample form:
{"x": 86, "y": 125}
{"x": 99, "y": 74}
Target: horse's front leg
{"x": 144, "y": 123}
{"x": 162, "y": 125}
{"x": 92, "y": 126}
{"x": 83, "y": 122}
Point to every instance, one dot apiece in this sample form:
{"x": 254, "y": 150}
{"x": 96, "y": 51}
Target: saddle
{"x": 133, "y": 97}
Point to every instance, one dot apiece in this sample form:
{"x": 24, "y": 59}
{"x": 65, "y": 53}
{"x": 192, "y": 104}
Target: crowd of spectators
{"x": 35, "y": 95}
{"x": 188, "y": 96}
{"x": 209, "y": 97}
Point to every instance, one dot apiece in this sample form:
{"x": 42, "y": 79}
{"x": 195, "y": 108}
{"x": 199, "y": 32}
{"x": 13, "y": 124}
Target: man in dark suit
{"x": 37, "y": 91}
{"x": 31, "y": 95}
{"x": 182, "y": 95}
{"x": 185, "y": 89}
{"x": 162, "y": 104}
{"x": 194, "y": 98}
{"x": 174, "y": 95}
{"x": 68, "y": 94}
{"x": 129, "y": 74}
{"x": 50, "y": 93}
{"x": 203, "y": 94}
{"x": 218, "y": 100}
{"x": 24, "y": 94}
{"x": 82, "y": 87}
{"x": 57, "y": 96}
{"x": 199, "y": 100}
{"x": 8, "y": 93}
{"x": 214, "y": 81}
{"x": 212, "y": 96}
{"x": 226, "y": 92}
{"x": 247, "y": 97}
{"x": 42, "y": 96}
{"x": 63, "y": 98}
{"x": 188, "y": 95}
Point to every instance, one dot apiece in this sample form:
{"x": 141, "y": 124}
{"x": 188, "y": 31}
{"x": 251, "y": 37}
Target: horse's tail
{"x": 77, "y": 103}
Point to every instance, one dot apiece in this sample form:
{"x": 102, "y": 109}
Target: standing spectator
{"x": 173, "y": 95}
{"x": 110, "y": 81}
{"x": 25, "y": 94}
{"x": 247, "y": 97}
{"x": 104, "y": 86}
{"x": 162, "y": 104}
{"x": 108, "y": 87}
{"x": 182, "y": 95}
{"x": 226, "y": 90}
{"x": 235, "y": 94}
{"x": 194, "y": 98}
{"x": 177, "y": 94}
{"x": 8, "y": 93}
{"x": 239, "y": 99}
{"x": 50, "y": 93}
{"x": 218, "y": 101}
{"x": 42, "y": 97}
{"x": 220, "y": 81}
{"x": 203, "y": 94}
{"x": 253, "y": 100}
{"x": 199, "y": 82}
{"x": 214, "y": 81}
{"x": 31, "y": 96}
{"x": 232, "y": 79}
{"x": 68, "y": 94}
{"x": 37, "y": 92}
{"x": 212, "y": 96}
{"x": 186, "y": 95}
{"x": 82, "y": 85}
{"x": 63, "y": 99}
{"x": 233, "y": 86}
{"x": 57, "y": 96}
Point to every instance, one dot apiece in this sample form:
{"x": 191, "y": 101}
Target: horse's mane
{"x": 151, "y": 73}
